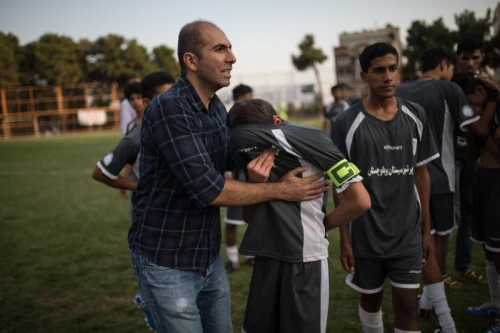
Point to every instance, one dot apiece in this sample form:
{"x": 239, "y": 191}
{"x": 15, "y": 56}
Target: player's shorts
{"x": 234, "y": 215}
{"x": 442, "y": 212}
{"x": 486, "y": 209}
{"x": 287, "y": 297}
{"x": 403, "y": 272}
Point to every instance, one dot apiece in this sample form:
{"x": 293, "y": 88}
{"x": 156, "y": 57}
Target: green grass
{"x": 65, "y": 265}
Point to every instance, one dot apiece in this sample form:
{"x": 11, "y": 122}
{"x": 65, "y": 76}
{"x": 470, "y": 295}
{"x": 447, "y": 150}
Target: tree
{"x": 137, "y": 61}
{"x": 309, "y": 57}
{"x": 107, "y": 59}
{"x": 164, "y": 59}
{"x": 56, "y": 60}
{"x": 421, "y": 37}
{"x": 471, "y": 27}
{"x": 85, "y": 48}
{"x": 9, "y": 45}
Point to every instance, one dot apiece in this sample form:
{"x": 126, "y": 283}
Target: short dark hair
{"x": 433, "y": 57}
{"x": 132, "y": 88}
{"x": 241, "y": 90}
{"x": 467, "y": 82}
{"x": 190, "y": 40}
{"x": 250, "y": 111}
{"x": 470, "y": 45}
{"x": 374, "y": 51}
{"x": 335, "y": 87}
{"x": 153, "y": 81}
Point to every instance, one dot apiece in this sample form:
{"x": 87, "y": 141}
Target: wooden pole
{"x": 115, "y": 106}
{"x": 5, "y": 123}
{"x": 60, "y": 108}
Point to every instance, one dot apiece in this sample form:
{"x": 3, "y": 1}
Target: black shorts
{"x": 442, "y": 212}
{"x": 287, "y": 297}
{"x": 234, "y": 215}
{"x": 403, "y": 272}
{"x": 486, "y": 209}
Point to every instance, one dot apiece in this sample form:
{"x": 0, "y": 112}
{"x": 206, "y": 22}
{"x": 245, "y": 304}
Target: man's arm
{"x": 120, "y": 182}
{"x": 423, "y": 184}
{"x": 482, "y": 127}
{"x": 346, "y": 253}
{"x": 355, "y": 202}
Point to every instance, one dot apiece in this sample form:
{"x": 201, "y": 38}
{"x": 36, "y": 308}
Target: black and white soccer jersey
{"x": 126, "y": 152}
{"x": 291, "y": 231}
{"x": 387, "y": 153}
{"x": 448, "y": 112}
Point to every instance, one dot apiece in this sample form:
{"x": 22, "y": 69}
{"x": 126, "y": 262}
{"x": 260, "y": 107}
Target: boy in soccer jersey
{"x": 126, "y": 153}
{"x": 390, "y": 141}
{"x": 289, "y": 287}
{"x": 483, "y": 93}
{"x": 448, "y": 111}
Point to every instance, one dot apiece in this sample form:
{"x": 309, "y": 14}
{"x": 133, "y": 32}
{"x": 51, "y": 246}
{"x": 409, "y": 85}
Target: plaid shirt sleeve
{"x": 181, "y": 144}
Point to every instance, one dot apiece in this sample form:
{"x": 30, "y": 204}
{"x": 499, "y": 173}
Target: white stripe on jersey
{"x": 352, "y": 130}
{"x": 325, "y": 294}
{"x": 420, "y": 126}
{"x": 315, "y": 246}
{"x": 447, "y": 147}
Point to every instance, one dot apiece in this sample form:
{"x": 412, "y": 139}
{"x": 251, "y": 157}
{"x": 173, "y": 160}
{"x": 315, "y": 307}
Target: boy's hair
{"x": 250, "y": 111}
{"x": 132, "y": 88}
{"x": 470, "y": 45}
{"x": 374, "y": 51}
{"x": 335, "y": 87}
{"x": 153, "y": 81}
{"x": 433, "y": 57}
{"x": 467, "y": 82}
{"x": 190, "y": 40}
{"x": 241, "y": 90}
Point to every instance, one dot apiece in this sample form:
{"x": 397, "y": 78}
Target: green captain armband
{"x": 342, "y": 172}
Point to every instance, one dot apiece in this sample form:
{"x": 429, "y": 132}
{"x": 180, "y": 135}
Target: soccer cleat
{"x": 141, "y": 304}
{"x": 485, "y": 310}
{"x": 494, "y": 329}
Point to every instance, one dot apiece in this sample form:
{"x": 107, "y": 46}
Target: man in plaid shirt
{"x": 175, "y": 234}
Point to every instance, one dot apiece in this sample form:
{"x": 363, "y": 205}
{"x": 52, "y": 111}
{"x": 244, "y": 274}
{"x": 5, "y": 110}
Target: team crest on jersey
{"x": 467, "y": 111}
{"x": 108, "y": 159}
{"x": 414, "y": 145}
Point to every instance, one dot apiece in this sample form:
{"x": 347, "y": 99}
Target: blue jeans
{"x": 185, "y": 301}
{"x": 464, "y": 195}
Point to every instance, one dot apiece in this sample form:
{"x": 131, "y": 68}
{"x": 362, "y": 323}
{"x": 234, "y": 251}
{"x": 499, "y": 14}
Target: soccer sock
{"x": 397, "y": 330}
{"x": 232, "y": 254}
{"x": 437, "y": 297}
{"x": 425, "y": 302}
{"x": 493, "y": 278}
{"x": 371, "y": 322}
{"x": 249, "y": 257}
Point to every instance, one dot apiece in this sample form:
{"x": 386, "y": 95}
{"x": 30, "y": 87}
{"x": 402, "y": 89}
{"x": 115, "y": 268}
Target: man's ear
{"x": 277, "y": 120}
{"x": 191, "y": 61}
{"x": 363, "y": 76}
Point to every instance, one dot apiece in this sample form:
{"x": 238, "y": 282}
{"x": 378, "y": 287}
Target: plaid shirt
{"x": 184, "y": 148}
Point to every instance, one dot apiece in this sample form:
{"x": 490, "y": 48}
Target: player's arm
{"x": 355, "y": 201}
{"x": 191, "y": 165}
{"x": 119, "y": 182}
{"x": 346, "y": 253}
{"x": 423, "y": 184}
{"x": 482, "y": 127}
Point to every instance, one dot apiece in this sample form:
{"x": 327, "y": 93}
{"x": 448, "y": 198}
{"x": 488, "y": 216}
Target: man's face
{"x": 382, "y": 76}
{"x": 470, "y": 61}
{"x": 337, "y": 94}
{"x": 448, "y": 72}
{"x": 159, "y": 90}
{"x": 217, "y": 59}
{"x": 479, "y": 98}
{"x": 136, "y": 101}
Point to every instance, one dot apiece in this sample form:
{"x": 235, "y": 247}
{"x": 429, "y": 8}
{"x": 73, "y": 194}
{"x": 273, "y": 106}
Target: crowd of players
{"x": 404, "y": 163}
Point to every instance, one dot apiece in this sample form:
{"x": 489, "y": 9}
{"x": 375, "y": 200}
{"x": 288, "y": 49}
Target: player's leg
{"x": 434, "y": 296}
{"x": 369, "y": 281}
{"x": 404, "y": 274}
{"x": 262, "y": 311}
{"x": 304, "y": 297}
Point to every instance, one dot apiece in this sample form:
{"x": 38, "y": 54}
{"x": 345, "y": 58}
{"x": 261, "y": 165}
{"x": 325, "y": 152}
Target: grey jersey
{"x": 448, "y": 112}
{"x": 331, "y": 111}
{"x": 290, "y": 231}
{"x": 126, "y": 152}
{"x": 387, "y": 153}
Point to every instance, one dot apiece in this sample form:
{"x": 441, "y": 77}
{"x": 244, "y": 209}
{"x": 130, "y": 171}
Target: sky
{"x": 264, "y": 34}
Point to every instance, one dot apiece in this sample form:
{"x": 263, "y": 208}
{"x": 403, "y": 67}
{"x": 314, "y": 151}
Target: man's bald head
{"x": 191, "y": 40}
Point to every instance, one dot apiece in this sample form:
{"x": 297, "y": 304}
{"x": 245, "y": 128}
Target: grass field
{"x": 65, "y": 267}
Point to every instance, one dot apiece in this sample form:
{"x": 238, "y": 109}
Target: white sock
{"x": 397, "y": 330}
{"x": 371, "y": 322}
{"x": 425, "y": 302}
{"x": 232, "y": 254}
{"x": 249, "y": 257}
{"x": 491, "y": 274}
{"x": 437, "y": 297}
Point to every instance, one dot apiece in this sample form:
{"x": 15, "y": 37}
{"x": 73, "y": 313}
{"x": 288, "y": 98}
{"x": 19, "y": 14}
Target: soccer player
{"x": 484, "y": 93}
{"x": 126, "y": 153}
{"x": 332, "y": 110}
{"x": 390, "y": 141}
{"x": 289, "y": 287}
{"x": 447, "y": 110}
{"x": 233, "y": 215}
